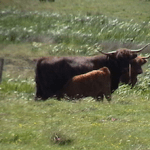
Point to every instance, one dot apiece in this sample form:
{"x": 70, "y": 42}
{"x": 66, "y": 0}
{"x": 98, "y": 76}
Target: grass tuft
{"x": 61, "y": 139}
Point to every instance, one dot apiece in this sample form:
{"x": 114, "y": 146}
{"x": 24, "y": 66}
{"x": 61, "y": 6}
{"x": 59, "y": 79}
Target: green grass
{"x": 71, "y": 29}
{"x": 85, "y": 124}
{"x": 31, "y": 29}
{"x": 126, "y": 9}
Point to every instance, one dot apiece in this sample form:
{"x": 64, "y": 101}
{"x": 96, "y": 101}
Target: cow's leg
{"x": 100, "y": 97}
{"x": 41, "y": 93}
{"x": 108, "y": 97}
{"x": 133, "y": 82}
{"x": 59, "y": 95}
{"x": 107, "y": 94}
{"x": 47, "y": 93}
{"x": 38, "y": 94}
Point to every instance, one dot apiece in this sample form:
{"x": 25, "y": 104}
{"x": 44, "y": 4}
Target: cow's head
{"x": 124, "y": 56}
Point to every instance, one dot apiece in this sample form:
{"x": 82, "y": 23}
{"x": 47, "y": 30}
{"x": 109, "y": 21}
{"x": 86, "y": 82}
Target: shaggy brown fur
{"x": 96, "y": 84}
{"x": 136, "y": 69}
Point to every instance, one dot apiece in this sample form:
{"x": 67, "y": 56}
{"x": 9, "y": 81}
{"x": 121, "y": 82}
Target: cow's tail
{"x": 39, "y": 80}
{"x": 38, "y": 65}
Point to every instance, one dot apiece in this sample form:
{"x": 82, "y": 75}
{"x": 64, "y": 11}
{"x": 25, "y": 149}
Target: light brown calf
{"x": 96, "y": 84}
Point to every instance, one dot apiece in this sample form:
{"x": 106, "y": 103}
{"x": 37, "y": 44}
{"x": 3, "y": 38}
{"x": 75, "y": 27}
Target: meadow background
{"x": 30, "y": 29}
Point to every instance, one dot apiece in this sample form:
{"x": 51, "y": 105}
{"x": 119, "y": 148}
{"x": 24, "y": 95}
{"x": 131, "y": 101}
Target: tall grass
{"x": 19, "y": 27}
{"x": 117, "y": 8}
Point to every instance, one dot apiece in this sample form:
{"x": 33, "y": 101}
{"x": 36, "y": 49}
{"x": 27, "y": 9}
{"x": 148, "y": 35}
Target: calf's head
{"x": 130, "y": 77}
{"x": 137, "y": 63}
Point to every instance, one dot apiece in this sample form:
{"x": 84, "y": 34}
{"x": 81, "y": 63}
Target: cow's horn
{"x": 146, "y": 57}
{"x": 139, "y": 50}
{"x": 107, "y": 53}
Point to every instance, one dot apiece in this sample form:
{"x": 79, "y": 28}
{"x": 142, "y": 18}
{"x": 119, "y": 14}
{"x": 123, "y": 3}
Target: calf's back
{"x": 95, "y": 84}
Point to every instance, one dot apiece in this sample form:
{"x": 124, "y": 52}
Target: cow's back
{"x": 53, "y": 74}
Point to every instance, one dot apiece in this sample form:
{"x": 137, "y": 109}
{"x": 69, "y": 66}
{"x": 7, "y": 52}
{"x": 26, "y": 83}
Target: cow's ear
{"x": 133, "y": 55}
{"x": 112, "y": 55}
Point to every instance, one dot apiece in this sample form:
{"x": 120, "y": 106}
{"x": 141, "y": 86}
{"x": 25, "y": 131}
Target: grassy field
{"x": 126, "y": 9}
{"x": 30, "y": 29}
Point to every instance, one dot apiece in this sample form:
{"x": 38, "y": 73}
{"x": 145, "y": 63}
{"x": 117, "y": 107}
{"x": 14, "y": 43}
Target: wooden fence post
{"x": 1, "y": 68}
